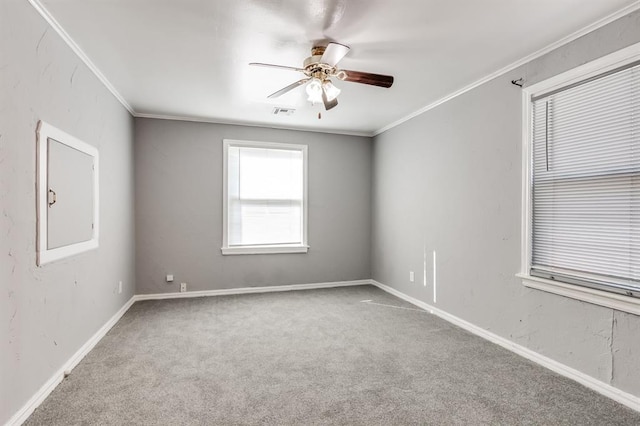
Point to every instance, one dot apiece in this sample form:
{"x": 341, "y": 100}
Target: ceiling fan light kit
{"x": 319, "y": 67}
{"x": 314, "y": 90}
{"x": 315, "y": 87}
{"x": 331, "y": 90}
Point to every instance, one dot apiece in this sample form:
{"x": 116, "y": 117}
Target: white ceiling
{"x": 188, "y": 58}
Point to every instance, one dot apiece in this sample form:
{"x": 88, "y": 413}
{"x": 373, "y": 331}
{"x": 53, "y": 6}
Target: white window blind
{"x": 265, "y": 196}
{"x": 586, "y": 183}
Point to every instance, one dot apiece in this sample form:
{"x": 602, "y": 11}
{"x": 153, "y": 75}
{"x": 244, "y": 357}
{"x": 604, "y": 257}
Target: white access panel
{"x": 70, "y": 181}
{"x": 68, "y": 199}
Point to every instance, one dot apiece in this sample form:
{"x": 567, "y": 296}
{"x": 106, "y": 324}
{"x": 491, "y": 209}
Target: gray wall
{"x": 48, "y": 313}
{"x": 179, "y": 209}
{"x": 449, "y": 180}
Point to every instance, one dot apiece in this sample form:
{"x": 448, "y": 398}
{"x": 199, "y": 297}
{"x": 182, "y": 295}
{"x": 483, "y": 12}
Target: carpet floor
{"x": 308, "y": 358}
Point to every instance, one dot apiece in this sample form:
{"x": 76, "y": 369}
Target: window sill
{"x": 597, "y": 297}
{"x": 264, "y": 249}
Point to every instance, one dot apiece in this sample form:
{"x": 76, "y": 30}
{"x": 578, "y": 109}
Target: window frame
{"x": 263, "y": 249}
{"x": 591, "y": 69}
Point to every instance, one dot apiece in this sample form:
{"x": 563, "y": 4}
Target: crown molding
{"x": 247, "y": 124}
{"x": 563, "y": 41}
{"x": 42, "y": 10}
{"x": 38, "y": 6}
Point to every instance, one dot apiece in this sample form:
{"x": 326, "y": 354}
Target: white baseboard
{"x": 605, "y": 389}
{"x": 588, "y": 381}
{"x": 247, "y": 290}
{"x": 23, "y": 414}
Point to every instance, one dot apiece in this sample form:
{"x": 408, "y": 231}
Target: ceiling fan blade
{"x": 288, "y": 88}
{"x": 327, "y": 103}
{"x": 284, "y": 67}
{"x": 333, "y": 53}
{"x": 365, "y": 78}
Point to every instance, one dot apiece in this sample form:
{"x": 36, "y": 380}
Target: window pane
{"x": 586, "y": 181}
{"x": 267, "y": 222}
{"x": 273, "y": 174}
{"x": 265, "y": 190}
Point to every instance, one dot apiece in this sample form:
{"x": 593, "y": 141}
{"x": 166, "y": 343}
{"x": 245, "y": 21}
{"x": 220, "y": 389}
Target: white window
{"x": 582, "y": 191}
{"x": 265, "y": 198}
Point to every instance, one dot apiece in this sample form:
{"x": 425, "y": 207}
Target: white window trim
{"x": 606, "y": 63}
{"x": 263, "y": 249}
{"x": 44, "y": 254}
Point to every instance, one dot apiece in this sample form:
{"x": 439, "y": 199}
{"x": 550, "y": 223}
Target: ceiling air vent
{"x": 283, "y": 111}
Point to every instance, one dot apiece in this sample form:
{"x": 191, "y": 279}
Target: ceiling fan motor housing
{"x": 313, "y": 67}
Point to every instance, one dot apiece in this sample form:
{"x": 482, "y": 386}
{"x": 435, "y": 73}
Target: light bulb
{"x": 314, "y": 90}
{"x": 331, "y": 90}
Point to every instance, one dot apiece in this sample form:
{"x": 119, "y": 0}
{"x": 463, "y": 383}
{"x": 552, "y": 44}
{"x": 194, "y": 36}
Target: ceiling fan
{"x": 319, "y": 67}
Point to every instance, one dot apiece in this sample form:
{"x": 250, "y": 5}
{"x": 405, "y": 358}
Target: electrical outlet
{"x": 119, "y": 287}
{"x": 412, "y": 276}
{"x": 183, "y": 287}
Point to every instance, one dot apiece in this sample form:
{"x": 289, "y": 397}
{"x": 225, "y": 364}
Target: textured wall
{"x": 48, "y": 313}
{"x": 449, "y": 180}
{"x": 179, "y": 209}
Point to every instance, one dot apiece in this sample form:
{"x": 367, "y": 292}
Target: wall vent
{"x": 283, "y": 111}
